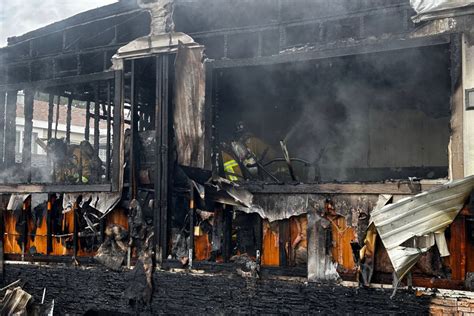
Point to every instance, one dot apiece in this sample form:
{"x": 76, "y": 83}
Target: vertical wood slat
{"x": 133, "y": 134}
{"x": 58, "y": 104}
{"x": 117, "y": 131}
{"x": 28, "y": 133}
{"x": 68, "y": 119}
{"x": 109, "y": 136}
{"x": 164, "y": 154}
{"x": 10, "y": 128}
{"x": 157, "y": 181}
{"x": 97, "y": 119}
{"x": 457, "y": 110}
{"x": 2, "y": 125}
{"x": 50, "y": 116}
{"x": 88, "y": 121}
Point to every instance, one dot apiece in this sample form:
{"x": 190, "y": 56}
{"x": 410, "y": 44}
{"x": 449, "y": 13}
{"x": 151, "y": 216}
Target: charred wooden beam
{"x": 283, "y": 241}
{"x": 96, "y": 119}
{"x": 109, "y": 136}
{"x": 227, "y": 245}
{"x": 58, "y": 104}
{"x": 50, "y": 115}
{"x": 71, "y": 80}
{"x": 2, "y": 233}
{"x": 10, "y": 129}
{"x": 133, "y": 135}
{"x": 2, "y": 125}
{"x": 49, "y": 227}
{"x": 344, "y": 49}
{"x": 117, "y": 131}
{"x": 456, "y": 167}
{"x": 88, "y": 123}
{"x": 68, "y": 119}
{"x": 192, "y": 212}
{"x": 161, "y": 175}
{"x": 158, "y": 170}
{"x": 52, "y": 188}
{"x": 28, "y": 133}
{"x": 164, "y": 152}
{"x": 395, "y": 188}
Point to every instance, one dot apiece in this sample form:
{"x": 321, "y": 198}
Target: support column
{"x": 2, "y": 125}
{"x": 28, "y": 133}
{"x": 68, "y": 119}
{"x": 468, "y": 115}
{"x": 10, "y": 128}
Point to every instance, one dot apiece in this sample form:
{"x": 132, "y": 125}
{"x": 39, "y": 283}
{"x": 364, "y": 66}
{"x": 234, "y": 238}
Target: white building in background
{"x": 40, "y": 128}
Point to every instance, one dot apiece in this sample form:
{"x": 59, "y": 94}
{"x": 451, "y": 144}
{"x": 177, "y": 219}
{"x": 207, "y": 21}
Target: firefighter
{"x": 246, "y": 150}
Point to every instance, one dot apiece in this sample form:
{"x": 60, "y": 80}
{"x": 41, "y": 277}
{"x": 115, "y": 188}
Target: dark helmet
{"x": 240, "y": 128}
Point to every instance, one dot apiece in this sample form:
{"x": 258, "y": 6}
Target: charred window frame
{"x": 98, "y": 95}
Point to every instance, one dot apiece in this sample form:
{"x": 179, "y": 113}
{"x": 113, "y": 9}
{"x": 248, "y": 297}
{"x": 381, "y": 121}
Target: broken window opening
{"x": 369, "y": 118}
{"x": 60, "y": 135}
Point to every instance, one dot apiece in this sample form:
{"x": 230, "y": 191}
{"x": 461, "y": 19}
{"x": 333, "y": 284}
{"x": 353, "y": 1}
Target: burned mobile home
{"x": 313, "y": 140}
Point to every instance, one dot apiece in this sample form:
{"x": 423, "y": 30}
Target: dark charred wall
{"x": 250, "y": 29}
{"x": 78, "y": 290}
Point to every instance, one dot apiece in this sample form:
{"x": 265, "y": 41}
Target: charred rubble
{"x": 316, "y": 141}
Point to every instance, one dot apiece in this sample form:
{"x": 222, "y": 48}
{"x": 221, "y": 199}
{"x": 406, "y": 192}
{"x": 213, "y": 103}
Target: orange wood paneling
{"x": 271, "y": 248}
{"x": 342, "y": 236}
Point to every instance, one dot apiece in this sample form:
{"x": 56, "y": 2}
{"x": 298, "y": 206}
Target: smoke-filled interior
{"x": 368, "y": 117}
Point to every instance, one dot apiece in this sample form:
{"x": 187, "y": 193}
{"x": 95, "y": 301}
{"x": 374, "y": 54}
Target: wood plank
{"x": 2, "y": 124}
{"x": 54, "y": 188}
{"x": 28, "y": 133}
{"x": 457, "y": 110}
{"x": 10, "y": 128}
{"x": 394, "y": 188}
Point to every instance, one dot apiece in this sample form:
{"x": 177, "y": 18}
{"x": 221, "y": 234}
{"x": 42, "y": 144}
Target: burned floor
{"x": 264, "y": 157}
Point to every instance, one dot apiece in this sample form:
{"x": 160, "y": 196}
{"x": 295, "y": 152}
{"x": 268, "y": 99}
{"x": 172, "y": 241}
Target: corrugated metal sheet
{"x": 431, "y": 9}
{"x": 424, "y": 214}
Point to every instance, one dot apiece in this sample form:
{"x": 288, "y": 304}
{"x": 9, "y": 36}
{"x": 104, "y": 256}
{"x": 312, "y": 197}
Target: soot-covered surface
{"x": 80, "y": 290}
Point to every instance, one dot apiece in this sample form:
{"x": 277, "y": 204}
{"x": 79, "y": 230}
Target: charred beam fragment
{"x": 10, "y": 129}
{"x": 134, "y": 133}
{"x": 28, "y": 133}
{"x": 227, "y": 245}
{"x": 50, "y": 115}
{"x": 2, "y": 125}
{"x": 96, "y": 118}
{"x": 88, "y": 123}
{"x": 49, "y": 227}
{"x": 109, "y": 126}
{"x": 68, "y": 120}
{"x": 58, "y": 104}
{"x": 117, "y": 130}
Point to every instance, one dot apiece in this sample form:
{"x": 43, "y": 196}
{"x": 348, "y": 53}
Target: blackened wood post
{"x": 24, "y": 230}
{"x": 96, "y": 119}
{"x": 57, "y": 117}
{"x": 192, "y": 211}
{"x": 164, "y": 154}
{"x": 109, "y": 136}
{"x": 117, "y": 131}
{"x": 284, "y": 241}
{"x": 227, "y": 251}
{"x": 157, "y": 181}
{"x": 133, "y": 133}
{"x": 28, "y": 133}
{"x": 259, "y": 233}
{"x": 10, "y": 128}
{"x": 2, "y": 125}
{"x": 50, "y": 116}
{"x": 75, "y": 237}
{"x": 2, "y": 234}
{"x": 49, "y": 238}
{"x": 88, "y": 121}
{"x": 68, "y": 119}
